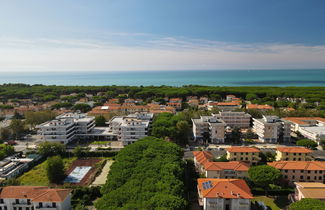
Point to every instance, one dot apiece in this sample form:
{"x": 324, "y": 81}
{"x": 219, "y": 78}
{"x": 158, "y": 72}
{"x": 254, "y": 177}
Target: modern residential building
{"x": 293, "y": 154}
{"x": 271, "y": 129}
{"x": 67, "y": 127}
{"x": 129, "y": 129}
{"x": 224, "y": 194}
{"x": 235, "y": 119}
{"x": 309, "y": 190}
{"x": 246, "y": 154}
{"x": 301, "y": 171}
{"x": 226, "y": 170}
{"x": 209, "y": 128}
{"x": 230, "y": 97}
{"x": 310, "y": 127}
{"x": 32, "y": 198}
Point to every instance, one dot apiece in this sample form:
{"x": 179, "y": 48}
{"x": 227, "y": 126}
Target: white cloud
{"x": 152, "y": 53}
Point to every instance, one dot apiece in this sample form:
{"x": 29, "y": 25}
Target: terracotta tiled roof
{"x": 294, "y": 149}
{"x": 232, "y": 165}
{"x": 38, "y": 194}
{"x": 257, "y": 106}
{"x": 298, "y": 165}
{"x": 228, "y": 103}
{"x": 304, "y": 120}
{"x": 203, "y": 156}
{"x": 225, "y": 188}
{"x": 243, "y": 149}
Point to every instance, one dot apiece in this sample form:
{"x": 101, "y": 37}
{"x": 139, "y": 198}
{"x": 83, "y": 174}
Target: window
{"x": 247, "y": 158}
{"x": 241, "y": 158}
{"x": 40, "y": 204}
{"x": 53, "y": 204}
{"x": 301, "y": 177}
{"x": 1, "y": 200}
{"x": 241, "y": 153}
{"x": 302, "y": 171}
{"x": 294, "y": 158}
{"x": 300, "y": 154}
{"x": 286, "y": 171}
{"x": 294, "y": 154}
{"x": 285, "y": 176}
{"x": 17, "y": 200}
{"x": 299, "y": 158}
{"x": 315, "y": 172}
{"x": 234, "y": 153}
{"x": 320, "y": 172}
{"x": 293, "y": 177}
{"x": 293, "y": 171}
{"x": 308, "y": 172}
{"x": 308, "y": 177}
{"x": 320, "y": 177}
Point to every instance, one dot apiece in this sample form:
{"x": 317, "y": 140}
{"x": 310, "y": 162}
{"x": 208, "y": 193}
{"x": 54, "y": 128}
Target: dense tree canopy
{"x": 263, "y": 175}
{"x": 55, "y": 169}
{"x": 100, "y": 120}
{"x": 307, "y": 143}
{"x": 307, "y": 204}
{"x": 49, "y": 149}
{"x": 36, "y": 118}
{"x": 145, "y": 175}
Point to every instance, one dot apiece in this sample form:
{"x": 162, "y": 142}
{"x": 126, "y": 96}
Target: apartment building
{"x": 310, "y": 127}
{"x": 226, "y": 170}
{"x": 309, "y": 190}
{"x": 293, "y": 154}
{"x": 129, "y": 129}
{"x": 246, "y": 154}
{"x": 301, "y": 171}
{"x": 209, "y": 128}
{"x": 66, "y": 127}
{"x": 224, "y": 194}
{"x": 235, "y": 119}
{"x": 31, "y": 197}
{"x": 271, "y": 129}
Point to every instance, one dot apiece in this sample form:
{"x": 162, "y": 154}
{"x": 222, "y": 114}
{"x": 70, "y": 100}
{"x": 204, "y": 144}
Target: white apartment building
{"x": 235, "y": 119}
{"x": 211, "y": 127}
{"x": 32, "y": 198}
{"x": 67, "y": 127}
{"x": 271, "y": 128}
{"x": 129, "y": 129}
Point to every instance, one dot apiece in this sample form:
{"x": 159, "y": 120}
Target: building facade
{"x": 32, "y": 198}
{"x": 301, "y": 171}
{"x": 271, "y": 128}
{"x": 293, "y": 154}
{"x": 235, "y": 119}
{"x": 209, "y": 128}
{"x": 224, "y": 194}
{"x": 245, "y": 154}
{"x": 226, "y": 170}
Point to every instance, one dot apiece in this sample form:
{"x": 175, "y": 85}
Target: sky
{"x": 113, "y": 35}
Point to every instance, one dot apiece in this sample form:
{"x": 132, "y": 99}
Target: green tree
{"x": 55, "y": 169}
{"x": 4, "y": 134}
{"x": 263, "y": 175}
{"x": 77, "y": 151}
{"x": 235, "y": 136}
{"x": 183, "y": 132}
{"x": 307, "y": 204}
{"x": 51, "y": 148}
{"x": 17, "y": 127}
{"x": 82, "y": 107}
{"x": 100, "y": 120}
{"x": 307, "y": 143}
{"x": 36, "y": 118}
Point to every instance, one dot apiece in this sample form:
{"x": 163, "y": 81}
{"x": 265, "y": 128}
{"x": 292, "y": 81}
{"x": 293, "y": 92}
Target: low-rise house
{"x": 301, "y": 171}
{"x": 309, "y": 190}
{"x": 203, "y": 100}
{"x": 246, "y": 154}
{"x": 200, "y": 158}
{"x": 230, "y": 97}
{"x": 209, "y": 128}
{"x": 193, "y": 102}
{"x": 226, "y": 170}
{"x": 224, "y": 106}
{"x": 271, "y": 129}
{"x": 264, "y": 107}
{"x": 157, "y": 108}
{"x": 293, "y": 154}
{"x": 32, "y": 198}
{"x": 235, "y": 119}
{"x": 224, "y": 194}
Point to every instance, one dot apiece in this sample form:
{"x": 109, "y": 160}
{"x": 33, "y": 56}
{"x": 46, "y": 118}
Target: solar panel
{"x": 207, "y": 185}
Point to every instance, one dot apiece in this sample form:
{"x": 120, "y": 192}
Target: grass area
{"x": 101, "y": 142}
{"x": 280, "y": 202}
{"x": 37, "y": 175}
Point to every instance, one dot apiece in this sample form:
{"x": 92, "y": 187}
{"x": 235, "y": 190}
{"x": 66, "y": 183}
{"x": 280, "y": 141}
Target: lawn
{"x": 37, "y": 175}
{"x": 277, "y": 203}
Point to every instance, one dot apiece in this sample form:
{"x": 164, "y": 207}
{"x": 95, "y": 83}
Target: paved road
{"x": 101, "y": 179}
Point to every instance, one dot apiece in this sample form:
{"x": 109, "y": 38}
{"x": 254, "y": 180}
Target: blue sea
{"x": 308, "y": 77}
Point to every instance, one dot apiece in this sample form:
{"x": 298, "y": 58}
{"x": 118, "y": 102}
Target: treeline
{"x": 145, "y": 175}
{"x": 258, "y": 94}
